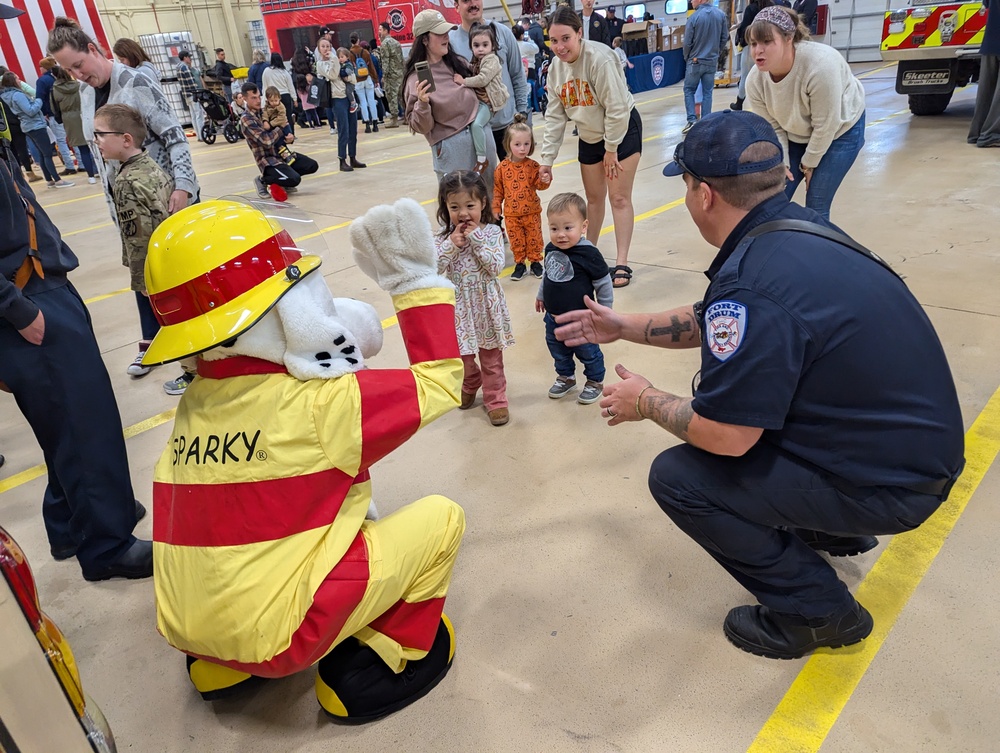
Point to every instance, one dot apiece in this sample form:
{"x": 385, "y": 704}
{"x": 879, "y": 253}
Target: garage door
{"x": 856, "y": 27}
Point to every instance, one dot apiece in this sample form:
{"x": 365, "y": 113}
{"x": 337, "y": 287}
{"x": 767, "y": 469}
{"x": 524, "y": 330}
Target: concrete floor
{"x": 585, "y": 621}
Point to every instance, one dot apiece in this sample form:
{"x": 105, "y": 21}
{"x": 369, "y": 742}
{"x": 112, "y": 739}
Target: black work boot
{"x": 760, "y": 631}
{"x": 368, "y": 126}
{"x": 135, "y": 562}
{"x": 344, "y": 167}
{"x": 738, "y": 104}
{"x": 836, "y": 546}
{"x": 354, "y": 685}
{"x": 357, "y": 164}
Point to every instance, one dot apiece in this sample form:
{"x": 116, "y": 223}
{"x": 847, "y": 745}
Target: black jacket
{"x": 749, "y": 14}
{"x": 806, "y": 9}
{"x": 599, "y": 29}
{"x": 223, "y": 71}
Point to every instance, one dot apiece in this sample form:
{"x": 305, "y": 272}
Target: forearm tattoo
{"x": 671, "y": 412}
{"x": 678, "y": 326}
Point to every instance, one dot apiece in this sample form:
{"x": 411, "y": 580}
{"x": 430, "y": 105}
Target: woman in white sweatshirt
{"x": 586, "y": 84}
{"x": 808, "y": 93}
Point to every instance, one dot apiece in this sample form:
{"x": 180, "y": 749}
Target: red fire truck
{"x": 937, "y": 46}
{"x": 290, "y": 24}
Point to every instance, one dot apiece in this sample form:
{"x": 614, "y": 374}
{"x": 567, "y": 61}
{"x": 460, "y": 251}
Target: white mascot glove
{"x": 393, "y": 245}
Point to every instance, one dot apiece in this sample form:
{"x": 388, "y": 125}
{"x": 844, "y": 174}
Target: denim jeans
{"x": 86, "y": 159}
{"x": 148, "y": 323}
{"x": 698, "y": 73}
{"x": 830, "y": 171}
{"x": 590, "y": 355}
{"x": 365, "y": 91}
{"x": 40, "y": 138}
{"x": 347, "y": 127}
{"x": 746, "y": 62}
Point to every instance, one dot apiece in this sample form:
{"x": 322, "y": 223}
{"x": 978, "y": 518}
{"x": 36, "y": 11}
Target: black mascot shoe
{"x": 354, "y": 685}
{"x": 136, "y": 562}
{"x": 836, "y": 546}
{"x": 760, "y": 631}
{"x": 215, "y": 682}
{"x": 61, "y": 553}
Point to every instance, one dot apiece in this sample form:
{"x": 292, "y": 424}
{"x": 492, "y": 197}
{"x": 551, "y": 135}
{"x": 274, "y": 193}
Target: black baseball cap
{"x": 714, "y": 144}
{"x": 7, "y": 11}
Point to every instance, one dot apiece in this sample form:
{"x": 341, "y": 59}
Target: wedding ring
{"x": 612, "y": 414}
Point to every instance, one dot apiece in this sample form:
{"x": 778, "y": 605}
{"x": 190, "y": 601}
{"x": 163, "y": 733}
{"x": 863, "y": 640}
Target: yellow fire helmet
{"x": 213, "y": 271}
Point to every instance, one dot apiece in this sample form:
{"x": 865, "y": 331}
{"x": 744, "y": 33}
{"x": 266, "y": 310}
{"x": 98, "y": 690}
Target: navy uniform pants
{"x": 63, "y": 389}
{"x": 740, "y": 511}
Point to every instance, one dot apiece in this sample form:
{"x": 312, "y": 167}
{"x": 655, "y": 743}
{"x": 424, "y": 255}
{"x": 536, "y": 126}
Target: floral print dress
{"x": 481, "y": 316}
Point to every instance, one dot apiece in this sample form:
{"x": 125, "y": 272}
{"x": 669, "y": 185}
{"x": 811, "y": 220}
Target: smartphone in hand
{"x": 424, "y": 74}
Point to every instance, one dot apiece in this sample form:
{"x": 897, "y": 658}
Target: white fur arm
{"x": 393, "y": 245}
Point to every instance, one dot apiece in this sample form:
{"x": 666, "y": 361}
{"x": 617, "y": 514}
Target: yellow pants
{"x": 411, "y": 554}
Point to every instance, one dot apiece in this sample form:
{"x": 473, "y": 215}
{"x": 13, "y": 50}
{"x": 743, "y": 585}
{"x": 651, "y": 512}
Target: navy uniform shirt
{"x": 830, "y": 354}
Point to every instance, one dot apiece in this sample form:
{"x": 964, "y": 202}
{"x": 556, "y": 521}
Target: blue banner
{"x": 655, "y": 70}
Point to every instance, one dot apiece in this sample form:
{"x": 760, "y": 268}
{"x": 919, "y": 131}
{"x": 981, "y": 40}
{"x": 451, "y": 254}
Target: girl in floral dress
{"x": 471, "y": 254}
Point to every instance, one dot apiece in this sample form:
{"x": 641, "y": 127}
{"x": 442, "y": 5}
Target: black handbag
{"x": 322, "y": 88}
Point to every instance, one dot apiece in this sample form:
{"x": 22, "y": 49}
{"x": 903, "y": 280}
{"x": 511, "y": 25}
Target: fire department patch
{"x": 657, "y": 66}
{"x": 725, "y": 328}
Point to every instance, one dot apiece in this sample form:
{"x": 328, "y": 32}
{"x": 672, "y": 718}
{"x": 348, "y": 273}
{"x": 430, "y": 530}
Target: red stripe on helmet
{"x": 227, "y": 282}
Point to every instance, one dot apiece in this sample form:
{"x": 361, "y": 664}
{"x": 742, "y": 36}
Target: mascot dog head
{"x": 225, "y": 280}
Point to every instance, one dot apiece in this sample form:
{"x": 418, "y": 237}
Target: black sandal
{"x": 621, "y": 272}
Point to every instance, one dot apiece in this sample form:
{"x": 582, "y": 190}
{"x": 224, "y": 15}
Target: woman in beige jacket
{"x": 328, "y": 69}
{"x": 488, "y": 83}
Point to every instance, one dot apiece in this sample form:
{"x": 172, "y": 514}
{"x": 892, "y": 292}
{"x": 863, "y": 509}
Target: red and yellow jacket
{"x": 264, "y": 483}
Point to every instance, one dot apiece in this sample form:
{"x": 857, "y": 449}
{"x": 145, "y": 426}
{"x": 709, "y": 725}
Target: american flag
{"x": 23, "y": 40}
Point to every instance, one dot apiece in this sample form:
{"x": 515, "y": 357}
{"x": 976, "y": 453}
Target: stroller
{"x": 541, "y": 96}
{"x": 217, "y": 113}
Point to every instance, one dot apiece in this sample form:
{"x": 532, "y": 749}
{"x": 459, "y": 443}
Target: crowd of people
{"x": 781, "y": 455}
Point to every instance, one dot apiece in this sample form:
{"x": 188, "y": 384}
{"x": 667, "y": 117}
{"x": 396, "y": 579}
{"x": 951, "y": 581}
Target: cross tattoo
{"x": 674, "y": 330}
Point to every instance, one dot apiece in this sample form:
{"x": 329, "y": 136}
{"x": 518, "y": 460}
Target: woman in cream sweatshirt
{"x": 586, "y": 84}
{"x": 808, "y": 93}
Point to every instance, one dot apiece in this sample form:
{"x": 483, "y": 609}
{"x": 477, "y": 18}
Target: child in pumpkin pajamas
{"x": 515, "y": 198}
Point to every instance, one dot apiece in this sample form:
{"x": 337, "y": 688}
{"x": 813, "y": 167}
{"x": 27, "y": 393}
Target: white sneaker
{"x": 136, "y": 369}
{"x": 91, "y": 181}
{"x": 333, "y": 131}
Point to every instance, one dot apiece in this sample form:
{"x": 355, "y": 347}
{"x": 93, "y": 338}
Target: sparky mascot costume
{"x": 265, "y": 560}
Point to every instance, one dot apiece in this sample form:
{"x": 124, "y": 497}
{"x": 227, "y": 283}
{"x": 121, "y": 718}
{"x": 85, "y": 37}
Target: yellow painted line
{"x": 647, "y": 215}
{"x": 810, "y": 708}
{"x": 22, "y": 478}
{"x": 73, "y": 201}
{"x": 876, "y": 70}
{"x": 97, "y": 298}
{"x": 87, "y": 229}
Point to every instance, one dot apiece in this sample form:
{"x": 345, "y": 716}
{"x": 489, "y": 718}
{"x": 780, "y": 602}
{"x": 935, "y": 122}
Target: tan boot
{"x": 32, "y": 178}
{"x": 393, "y": 122}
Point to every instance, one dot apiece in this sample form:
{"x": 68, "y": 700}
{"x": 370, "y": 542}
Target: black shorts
{"x": 592, "y": 154}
